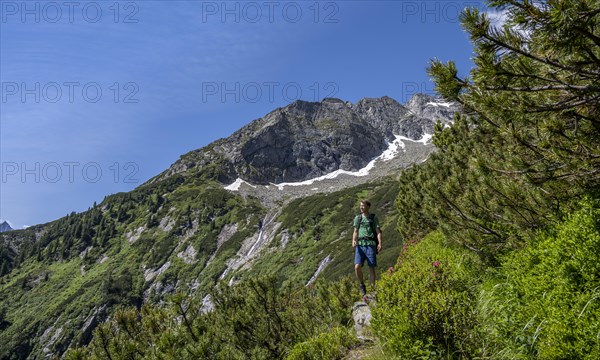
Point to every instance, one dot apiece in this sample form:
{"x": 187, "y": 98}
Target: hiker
{"x": 367, "y": 242}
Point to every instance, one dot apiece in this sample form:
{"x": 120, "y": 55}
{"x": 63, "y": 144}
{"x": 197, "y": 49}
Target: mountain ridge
{"x": 305, "y": 140}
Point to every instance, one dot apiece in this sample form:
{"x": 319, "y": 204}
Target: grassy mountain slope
{"x": 164, "y": 237}
{"x": 120, "y": 252}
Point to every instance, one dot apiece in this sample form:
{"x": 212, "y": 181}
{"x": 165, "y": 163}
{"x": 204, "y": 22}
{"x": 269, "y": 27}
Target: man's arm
{"x": 378, "y": 231}
{"x": 354, "y": 236}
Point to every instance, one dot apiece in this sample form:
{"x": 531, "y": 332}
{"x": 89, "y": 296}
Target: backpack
{"x": 371, "y": 220}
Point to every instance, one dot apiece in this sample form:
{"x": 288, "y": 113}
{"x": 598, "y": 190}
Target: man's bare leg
{"x": 372, "y": 275}
{"x": 359, "y": 273}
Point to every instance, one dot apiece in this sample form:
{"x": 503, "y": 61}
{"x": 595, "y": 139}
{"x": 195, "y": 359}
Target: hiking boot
{"x": 363, "y": 289}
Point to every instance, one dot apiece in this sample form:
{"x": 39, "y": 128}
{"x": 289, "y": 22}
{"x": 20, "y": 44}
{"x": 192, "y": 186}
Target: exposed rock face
{"x": 252, "y": 246}
{"x": 424, "y": 106}
{"x": 305, "y": 140}
{"x": 386, "y": 115}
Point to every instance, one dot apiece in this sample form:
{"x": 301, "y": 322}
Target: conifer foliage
{"x": 255, "y": 319}
{"x": 529, "y": 137}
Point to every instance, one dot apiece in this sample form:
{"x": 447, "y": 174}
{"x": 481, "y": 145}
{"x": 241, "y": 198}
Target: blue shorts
{"x": 368, "y": 253}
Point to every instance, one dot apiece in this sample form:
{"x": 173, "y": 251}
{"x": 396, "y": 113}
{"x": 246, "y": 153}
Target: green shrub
{"x": 425, "y": 306}
{"x": 256, "y": 319}
{"x": 545, "y": 302}
{"x": 328, "y": 345}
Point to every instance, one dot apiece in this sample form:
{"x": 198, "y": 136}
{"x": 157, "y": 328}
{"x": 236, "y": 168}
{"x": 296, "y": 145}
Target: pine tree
{"x": 537, "y": 81}
{"x": 530, "y": 137}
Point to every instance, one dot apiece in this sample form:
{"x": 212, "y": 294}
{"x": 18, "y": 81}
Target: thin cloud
{"x": 500, "y": 19}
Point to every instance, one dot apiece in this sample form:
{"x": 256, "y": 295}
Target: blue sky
{"x": 99, "y": 96}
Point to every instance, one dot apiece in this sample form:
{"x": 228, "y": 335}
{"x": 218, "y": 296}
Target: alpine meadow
{"x": 241, "y": 249}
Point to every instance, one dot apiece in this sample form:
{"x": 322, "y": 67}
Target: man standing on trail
{"x": 367, "y": 242}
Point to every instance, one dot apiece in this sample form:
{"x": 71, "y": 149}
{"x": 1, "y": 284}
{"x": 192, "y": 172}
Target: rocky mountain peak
{"x": 304, "y": 140}
{"x": 383, "y": 113}
{"x": 333, "y": 101}
{"x": 426, "y": 106}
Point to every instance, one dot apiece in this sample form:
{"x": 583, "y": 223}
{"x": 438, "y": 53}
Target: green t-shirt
{"x": 365, "y": 231}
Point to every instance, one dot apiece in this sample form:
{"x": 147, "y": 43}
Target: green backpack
{"x": 371, "y": 220}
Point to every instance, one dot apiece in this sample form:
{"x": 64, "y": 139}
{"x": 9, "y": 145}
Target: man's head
{"x": 364, "y": 206}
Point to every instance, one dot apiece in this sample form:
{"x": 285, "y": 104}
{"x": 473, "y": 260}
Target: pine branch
{"x": 510, "y": 75}
{"x": 544, "y": 88}
{"x": 587, "y": 34}
{"x": 481, "y": 227}
{"x": 536, "y": 58}
{"x": 516, "y": 206}
{"x": 592, "y": 56}
{"x": 576, "y": 174}
{"x": 591, "y": 14}
{"x": 560, "y": 107}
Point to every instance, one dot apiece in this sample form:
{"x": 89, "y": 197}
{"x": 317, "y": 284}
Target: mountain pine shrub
{"x": 256, "y": 319}
{"x": 327, "y": 345}
{"x": 426, "y": 304}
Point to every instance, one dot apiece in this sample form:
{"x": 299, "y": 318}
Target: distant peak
{"x": 425, "y": 99}
{"x": 333, "y": 101}
{"x": 421, "y": 95}
{"x": 384, "y": 99}
{"x": 5, "y": 226}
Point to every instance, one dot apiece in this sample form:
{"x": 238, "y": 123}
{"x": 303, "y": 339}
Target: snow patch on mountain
{"x": 440, "y": 103}
{"x": 236, "y": 185}
{"x": 390, "y": 153}
{"x": 424, "y": 140}
{"x": 393, "y": 149}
